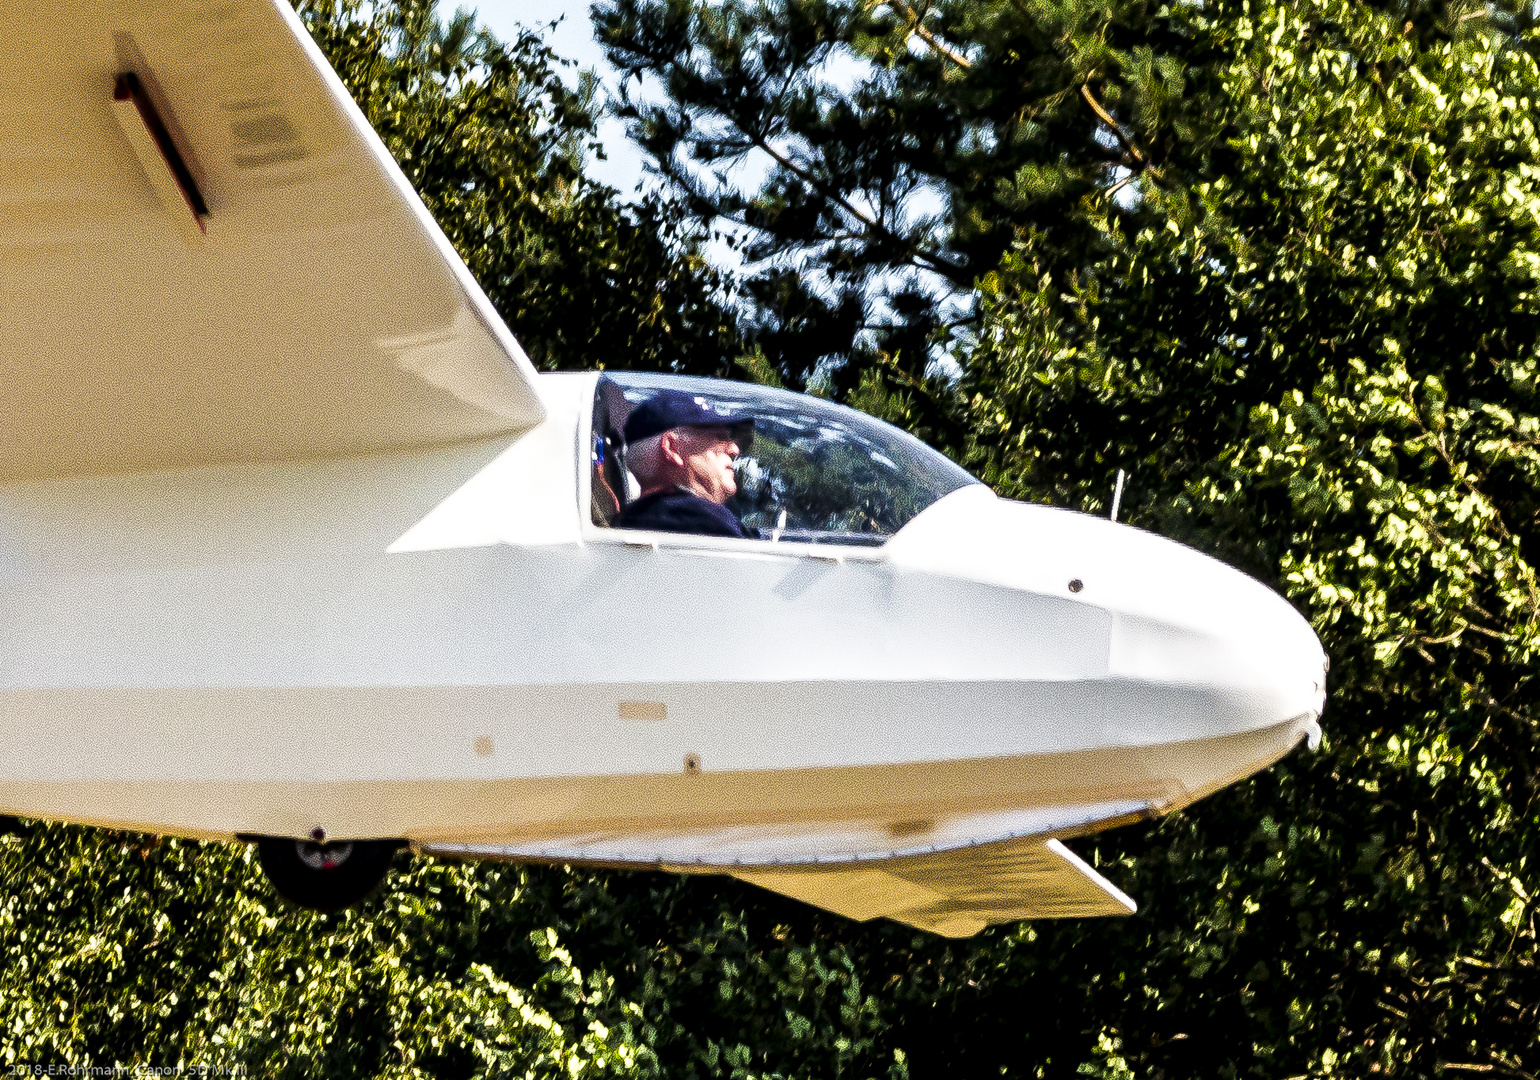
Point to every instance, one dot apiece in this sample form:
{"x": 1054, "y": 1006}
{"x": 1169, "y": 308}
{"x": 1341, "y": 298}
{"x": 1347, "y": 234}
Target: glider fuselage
{"x": 437, "y": 645}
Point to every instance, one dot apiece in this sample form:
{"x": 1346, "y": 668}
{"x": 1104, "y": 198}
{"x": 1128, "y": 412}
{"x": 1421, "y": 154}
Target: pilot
{"x": 681, "y": 450}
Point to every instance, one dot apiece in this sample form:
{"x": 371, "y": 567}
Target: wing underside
{"x": 967, "y": 871}
{"x": 207, "y": 255}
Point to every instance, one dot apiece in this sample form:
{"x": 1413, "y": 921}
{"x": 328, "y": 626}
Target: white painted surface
{"x": 186, "y": 650}
{"x": 324, "y": 313}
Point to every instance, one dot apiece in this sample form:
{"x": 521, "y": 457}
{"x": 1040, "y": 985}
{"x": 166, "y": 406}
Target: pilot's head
{"x": 677, "y": 440}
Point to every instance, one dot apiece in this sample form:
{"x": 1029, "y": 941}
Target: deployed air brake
{"x": 297, "y": 547}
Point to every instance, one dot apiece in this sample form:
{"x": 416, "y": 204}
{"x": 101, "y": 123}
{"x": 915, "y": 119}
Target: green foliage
{"x": 870, "y": 211}
{"x": 1278, "y": 260}
{"x": 1307, "y": 326}
{"x": 494, "y": 142}
{"x": 132, "y": 951}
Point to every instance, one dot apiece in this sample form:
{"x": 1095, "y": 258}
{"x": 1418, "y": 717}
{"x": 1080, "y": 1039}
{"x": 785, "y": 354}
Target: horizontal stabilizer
{"x": 956, "y": 893}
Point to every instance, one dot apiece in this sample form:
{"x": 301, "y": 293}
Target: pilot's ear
{"x": 668, "y": 446}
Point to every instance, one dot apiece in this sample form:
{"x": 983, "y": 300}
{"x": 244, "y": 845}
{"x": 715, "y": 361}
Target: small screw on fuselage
{"x": 1075, "y": 584}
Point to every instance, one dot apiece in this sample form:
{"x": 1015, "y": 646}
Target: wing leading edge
{"x": 217, "y": 259}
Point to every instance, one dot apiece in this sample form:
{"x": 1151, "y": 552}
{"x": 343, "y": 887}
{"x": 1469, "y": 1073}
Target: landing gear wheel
{"x": 324, "y": 877}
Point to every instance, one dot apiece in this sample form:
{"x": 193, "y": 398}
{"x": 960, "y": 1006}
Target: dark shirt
{"x": 679, "y": 511}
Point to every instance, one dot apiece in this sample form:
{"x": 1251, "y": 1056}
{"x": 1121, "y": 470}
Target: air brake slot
{"x": 157, "y": 153}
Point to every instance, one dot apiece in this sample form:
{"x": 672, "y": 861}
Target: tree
{"x": 132, "y": 951}
{"x": 1285, "y": 274}
{"x": 969, "y": 126}
{"x": 494, "y": 142}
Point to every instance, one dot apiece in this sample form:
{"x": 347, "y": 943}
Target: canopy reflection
{"x": 816, "y": 472}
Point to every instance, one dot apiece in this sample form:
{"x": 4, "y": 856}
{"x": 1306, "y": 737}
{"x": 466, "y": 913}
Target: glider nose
{"x": 1200, "y": 649}
{"x": 1195, "y": 648}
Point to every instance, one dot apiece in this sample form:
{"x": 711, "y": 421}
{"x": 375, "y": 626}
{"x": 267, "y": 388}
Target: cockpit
{"x": 802, "y": 470}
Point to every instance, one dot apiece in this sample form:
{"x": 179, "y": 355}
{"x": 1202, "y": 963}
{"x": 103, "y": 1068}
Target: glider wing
{"x": 207, "y": 255}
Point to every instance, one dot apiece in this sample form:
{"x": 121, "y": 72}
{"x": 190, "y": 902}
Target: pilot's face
{"x": 708, "y": 454}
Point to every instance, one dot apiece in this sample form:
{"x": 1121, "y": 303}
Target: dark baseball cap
{"x": 669, "y": 409}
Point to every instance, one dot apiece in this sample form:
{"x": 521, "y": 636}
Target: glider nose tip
{"x": 1312, "y": 733}
{"x": 1191, "y": 629}
{"x": 1313, "y": 729}
{"x": 1312, "y": 671}
{"x": 1277, "y": 645}
{"x": 1286, "y": 658}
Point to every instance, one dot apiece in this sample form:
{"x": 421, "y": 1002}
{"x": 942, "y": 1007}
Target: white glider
{"x": 296, "y": 546}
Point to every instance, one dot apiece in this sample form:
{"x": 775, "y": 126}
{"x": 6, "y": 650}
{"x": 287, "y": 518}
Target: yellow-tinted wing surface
{"x": 958, "y": 892}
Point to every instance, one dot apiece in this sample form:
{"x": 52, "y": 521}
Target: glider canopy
{"x": 810, "y": 471}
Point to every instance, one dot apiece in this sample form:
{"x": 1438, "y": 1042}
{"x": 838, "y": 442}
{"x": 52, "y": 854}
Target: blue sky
{"x": 573, "y": 40}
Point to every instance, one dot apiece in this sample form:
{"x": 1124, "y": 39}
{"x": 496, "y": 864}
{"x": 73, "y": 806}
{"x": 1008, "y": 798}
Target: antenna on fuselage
{"x": 1117, "y": 495}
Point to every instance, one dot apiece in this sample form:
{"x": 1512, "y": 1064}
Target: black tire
{"x": 324, "y": 877}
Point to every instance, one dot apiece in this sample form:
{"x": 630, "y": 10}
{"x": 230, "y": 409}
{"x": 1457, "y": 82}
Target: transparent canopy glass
{"x": 815, "y": 472}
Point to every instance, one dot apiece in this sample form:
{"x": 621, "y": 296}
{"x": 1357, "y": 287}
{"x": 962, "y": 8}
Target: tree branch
{"x": 1112, "y": 125}
{"x": 1115, "y": 188}
{"x": 935, "y": 262}
{"x": 917, "y": 28}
